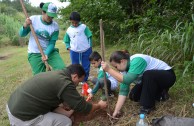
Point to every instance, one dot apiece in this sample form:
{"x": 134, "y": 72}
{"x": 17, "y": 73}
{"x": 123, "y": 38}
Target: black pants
{"x": 101, "y": 83}
{"x": 151, "y": 87}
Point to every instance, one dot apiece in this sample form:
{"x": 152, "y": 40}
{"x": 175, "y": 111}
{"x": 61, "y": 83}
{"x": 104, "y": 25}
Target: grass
{"x": 15, "y": 69}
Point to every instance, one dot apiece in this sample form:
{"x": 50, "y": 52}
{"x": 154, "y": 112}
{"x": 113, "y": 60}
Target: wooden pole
{"x": 103, "y": 59}
{"x": 35, "y": 37}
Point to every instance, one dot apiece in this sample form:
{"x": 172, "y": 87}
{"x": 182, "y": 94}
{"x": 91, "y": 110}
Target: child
{"x": 78, "y": 40}
{"x": 95, "y": 60}
{"x": 47, "y": 31}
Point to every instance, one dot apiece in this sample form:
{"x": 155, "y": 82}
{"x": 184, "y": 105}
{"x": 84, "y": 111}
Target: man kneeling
{"x": 38, "y": 100}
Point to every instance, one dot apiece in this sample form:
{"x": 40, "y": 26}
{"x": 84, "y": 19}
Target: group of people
{"x": 44, "y": 98}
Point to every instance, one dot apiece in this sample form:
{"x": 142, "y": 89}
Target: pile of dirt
{"x": 99, "y": 116}
{"x": 130, "y": 111}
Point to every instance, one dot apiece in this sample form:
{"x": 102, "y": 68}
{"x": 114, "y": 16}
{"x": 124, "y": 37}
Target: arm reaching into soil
{"x": 100, "y": 105}
{"x": 120, "y": 102}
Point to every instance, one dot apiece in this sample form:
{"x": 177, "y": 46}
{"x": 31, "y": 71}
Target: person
{"x": 112, "y": 84}
{"x": 47, "y": 31}
{"x": 78, "y": 40}
{"x": 153, "y": 78}
{"x": 43, "y": 99}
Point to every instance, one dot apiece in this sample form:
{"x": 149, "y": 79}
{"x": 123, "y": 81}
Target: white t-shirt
{"x": 152, "y": 63}
{"x": 43, "y": 32}
{"x": 78, "y": 40}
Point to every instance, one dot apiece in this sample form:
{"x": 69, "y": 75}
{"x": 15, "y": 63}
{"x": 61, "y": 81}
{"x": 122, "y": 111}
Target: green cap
{"x": 50, "y": 9}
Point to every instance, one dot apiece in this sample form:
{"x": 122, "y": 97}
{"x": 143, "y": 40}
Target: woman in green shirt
{"x": 151, "y": 76}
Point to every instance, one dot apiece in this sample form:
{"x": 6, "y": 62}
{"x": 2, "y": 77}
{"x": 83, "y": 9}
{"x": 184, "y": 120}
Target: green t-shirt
{"x": 135, "y": 68}
{"x": 43, "y": 93}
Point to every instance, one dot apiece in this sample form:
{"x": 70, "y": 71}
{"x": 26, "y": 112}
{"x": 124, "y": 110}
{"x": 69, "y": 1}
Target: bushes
{"x": 11, "y": 18}
{"x": 9, "y": 30}
{"x": 4, "y": 41}
{"x": 121, "y": 17}
{"x": 92, "y": 11}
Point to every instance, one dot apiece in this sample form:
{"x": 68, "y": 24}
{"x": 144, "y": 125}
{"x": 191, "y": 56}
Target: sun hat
{"x": 50, "y": 9}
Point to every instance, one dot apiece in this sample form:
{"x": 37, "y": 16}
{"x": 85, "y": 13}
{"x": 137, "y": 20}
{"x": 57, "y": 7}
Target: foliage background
{"x": 160, "y": 28}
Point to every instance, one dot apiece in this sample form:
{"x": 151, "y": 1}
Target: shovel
{"x": 48, "y": 68}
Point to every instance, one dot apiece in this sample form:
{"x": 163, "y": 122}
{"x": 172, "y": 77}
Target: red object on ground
{"x": 85, "y": 87}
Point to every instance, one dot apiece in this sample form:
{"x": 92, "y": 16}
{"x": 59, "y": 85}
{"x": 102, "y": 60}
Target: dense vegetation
{"x": 164, "y": 29}
{"x": 11, "y": 18}
{"x": 160, "y": 28}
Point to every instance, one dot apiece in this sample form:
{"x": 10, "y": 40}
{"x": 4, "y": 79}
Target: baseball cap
{"x": 50, "y": 9}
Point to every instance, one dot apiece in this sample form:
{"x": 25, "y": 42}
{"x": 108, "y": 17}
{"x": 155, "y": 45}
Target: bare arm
{"x": 120, "y": 102}
{"x": 118, "y": 76}
{"x": 100, "y": 105}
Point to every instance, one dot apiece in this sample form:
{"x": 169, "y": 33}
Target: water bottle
{"x": 141, "y": 121}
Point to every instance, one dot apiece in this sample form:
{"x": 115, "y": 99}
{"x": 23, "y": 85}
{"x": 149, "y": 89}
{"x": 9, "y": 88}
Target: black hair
{"x": 117, "y": 56}
{"x": 75, "y": 16}
{"x": 76, "y": 69}
{"x": 94, "y": 56}
{"x": 41, "y": 5}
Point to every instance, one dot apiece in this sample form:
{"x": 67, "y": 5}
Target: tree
{"x": 93, "y": 10}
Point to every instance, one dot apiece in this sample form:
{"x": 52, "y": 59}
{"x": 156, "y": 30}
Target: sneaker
{"x": 145, "y": 110}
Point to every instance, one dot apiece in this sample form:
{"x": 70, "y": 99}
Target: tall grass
{"x": 9, "y": 28}
{"x": 174, "y": 45}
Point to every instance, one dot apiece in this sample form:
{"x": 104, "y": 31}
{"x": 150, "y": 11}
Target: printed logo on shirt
{"x": 42, "y": 34}
{"x": 75, "y": 34}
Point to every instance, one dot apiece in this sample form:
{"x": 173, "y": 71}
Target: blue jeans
{"x": 83, "y": 59}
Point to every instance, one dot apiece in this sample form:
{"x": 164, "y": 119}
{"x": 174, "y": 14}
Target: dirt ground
{"x": 129, "y": 112}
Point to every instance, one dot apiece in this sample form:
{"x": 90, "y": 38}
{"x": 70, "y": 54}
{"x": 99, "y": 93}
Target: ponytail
{"x": 117, "y": 56}
{"x": 41, "y": 5}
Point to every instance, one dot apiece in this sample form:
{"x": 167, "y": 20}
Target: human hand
{"x": 27, "y": 22}
{"x": 68, "y": 49}
{"x": 105, "y": 66}
{"x": 103, "y": 104}
{"x": 90, "y": 95}
{"x": 44, "y": 58}
{"x": 115, "y": 113}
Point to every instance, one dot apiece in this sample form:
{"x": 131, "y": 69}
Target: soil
{"x": 3, "y": 57}
{"x": 99, "y": 116}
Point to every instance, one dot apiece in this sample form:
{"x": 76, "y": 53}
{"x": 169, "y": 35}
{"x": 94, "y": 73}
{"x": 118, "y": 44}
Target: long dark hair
{"x": 117, "y": 56}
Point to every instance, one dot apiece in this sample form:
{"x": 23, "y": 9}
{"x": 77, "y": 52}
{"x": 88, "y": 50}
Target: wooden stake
{"x": 35, "y": 37}
{"x": 103, "y": 59}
